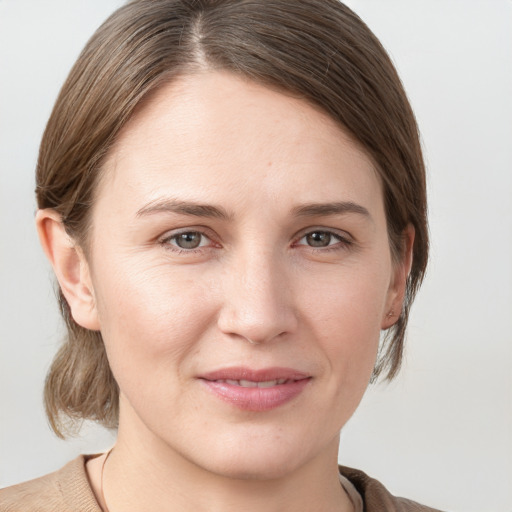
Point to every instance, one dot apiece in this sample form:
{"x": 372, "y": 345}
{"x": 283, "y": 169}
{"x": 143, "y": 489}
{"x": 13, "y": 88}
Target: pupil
{"x": 188, "y": 240}
{"x": 318, "y": 239}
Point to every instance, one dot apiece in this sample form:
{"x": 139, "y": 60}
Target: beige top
{"x": 68, "y": 490}
{"x": 354, "y": 496}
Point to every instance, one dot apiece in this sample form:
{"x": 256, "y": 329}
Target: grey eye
{"x": 319, "y": 239}
{"x": 188, "y": 240}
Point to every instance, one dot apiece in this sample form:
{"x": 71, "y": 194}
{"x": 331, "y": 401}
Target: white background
{"x": 442, "y": 432}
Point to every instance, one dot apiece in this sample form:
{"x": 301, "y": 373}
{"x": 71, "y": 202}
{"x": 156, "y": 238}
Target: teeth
{"x": 267, "y": 383}
{"x": 252, "y": 384}
{"x": 248, "y": 383}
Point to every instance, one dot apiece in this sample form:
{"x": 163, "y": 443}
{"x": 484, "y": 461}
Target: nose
{"x": 257, "y": 299}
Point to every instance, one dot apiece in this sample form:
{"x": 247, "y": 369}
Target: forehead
{"x": 206, "y": 136}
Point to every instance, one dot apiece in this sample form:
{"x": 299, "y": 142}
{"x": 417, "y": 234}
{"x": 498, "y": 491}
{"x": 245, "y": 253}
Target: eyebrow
{"x": 335, "y": 208}
{"x": 184, "y": 208}
{"x": 166, "y": 205}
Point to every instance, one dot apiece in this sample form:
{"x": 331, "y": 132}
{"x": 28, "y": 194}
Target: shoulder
{"x": 65, "y": 490}
{"x": 376, "y": 497}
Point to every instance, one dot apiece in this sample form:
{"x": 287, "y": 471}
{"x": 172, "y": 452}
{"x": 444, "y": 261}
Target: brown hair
{"x": 316, "y": 49}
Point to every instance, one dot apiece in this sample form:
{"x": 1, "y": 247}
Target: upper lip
{"x": 261, "y": 375}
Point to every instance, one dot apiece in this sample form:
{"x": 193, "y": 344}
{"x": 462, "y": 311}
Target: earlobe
{"x": 397, "y": 289}
{"x": 70, "y": 267}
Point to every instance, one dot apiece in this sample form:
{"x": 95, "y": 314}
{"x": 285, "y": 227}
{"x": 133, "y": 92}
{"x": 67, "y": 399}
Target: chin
{"x": 265, "y": 468}
{"x": 247, "y": 459}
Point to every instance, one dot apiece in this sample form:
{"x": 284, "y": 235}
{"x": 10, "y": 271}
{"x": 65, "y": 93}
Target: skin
{"x": 169, "y": 314}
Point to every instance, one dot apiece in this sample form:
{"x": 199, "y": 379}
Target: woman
{"x": 232, "y": 196}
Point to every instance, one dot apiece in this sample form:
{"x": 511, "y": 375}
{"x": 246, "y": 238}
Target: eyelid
{"x": 166, "y": 238}
{"x": 342, "y": 235}
{"x": 344, "y": 238}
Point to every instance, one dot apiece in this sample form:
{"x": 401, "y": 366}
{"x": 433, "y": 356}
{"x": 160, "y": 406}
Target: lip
{"x": 256, "y": 398}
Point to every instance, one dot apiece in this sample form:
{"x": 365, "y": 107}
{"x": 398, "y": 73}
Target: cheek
{"x": 149, "y": 316}
{"x": 344, "y": 310}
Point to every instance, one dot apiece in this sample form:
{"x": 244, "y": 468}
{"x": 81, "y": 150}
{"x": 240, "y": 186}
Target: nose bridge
{"x": 257, "y": 297}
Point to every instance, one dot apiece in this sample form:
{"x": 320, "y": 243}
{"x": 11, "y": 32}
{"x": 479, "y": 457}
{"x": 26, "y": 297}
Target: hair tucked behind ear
{"x": 80, "y": 384}
{"x": 318, "y": 50}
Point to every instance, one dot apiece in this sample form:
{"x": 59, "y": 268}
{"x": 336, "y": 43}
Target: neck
{"x": 143, "y": 473}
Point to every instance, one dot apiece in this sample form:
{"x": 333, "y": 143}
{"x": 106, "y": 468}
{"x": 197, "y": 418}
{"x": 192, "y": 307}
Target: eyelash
{"x": 343, "y": 242}
{"x": 166, "y": 242}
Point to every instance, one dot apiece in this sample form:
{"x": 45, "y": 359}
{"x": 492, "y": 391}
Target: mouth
{"x": 253, "y": 384}
{"x": 256, "y": 390}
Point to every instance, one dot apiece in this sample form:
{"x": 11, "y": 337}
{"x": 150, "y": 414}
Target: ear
{"x": 70, "y": 267}
{"x": 401, "y": 270}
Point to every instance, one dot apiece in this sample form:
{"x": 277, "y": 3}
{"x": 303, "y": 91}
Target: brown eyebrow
{"x": 206, "y": 210}
{"x": 336, "y": 208}
{"x": 184, "y": 208}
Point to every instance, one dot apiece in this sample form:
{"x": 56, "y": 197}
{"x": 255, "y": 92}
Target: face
{"x": 241, "y": 274}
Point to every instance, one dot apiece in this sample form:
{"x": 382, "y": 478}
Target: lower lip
{"x": 257, "y": 399}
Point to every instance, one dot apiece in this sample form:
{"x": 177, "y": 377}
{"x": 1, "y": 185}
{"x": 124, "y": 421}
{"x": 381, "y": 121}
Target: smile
{"x": 256, "y": 390}
{"x": 252, "y": 384}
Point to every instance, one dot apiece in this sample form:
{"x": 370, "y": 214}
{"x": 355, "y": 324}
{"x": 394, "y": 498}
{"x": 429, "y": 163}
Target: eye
{"x": 319, "y": 239}
{"x": 187, "y": 240}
